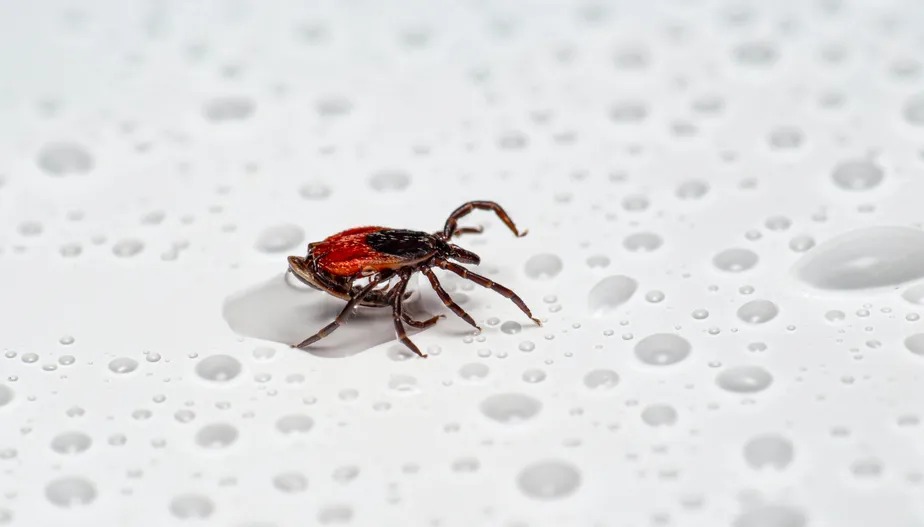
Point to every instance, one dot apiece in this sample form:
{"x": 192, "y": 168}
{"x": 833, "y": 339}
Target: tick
{"x": 359, "y": 265}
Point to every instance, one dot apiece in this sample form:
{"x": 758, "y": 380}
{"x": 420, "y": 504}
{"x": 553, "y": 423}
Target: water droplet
{"x": 218, "y": 368}
{"x": 64, "y": 159}
{"x": 628, "y": 111}
{"x": 659, "y": 415}
{"x": 533, "y": 375}
{"x": 127, "y": 247}
{"x": 756, "y": 54}
{"x": 914, "y": 294}
{"x": 404, "y": 384}
{"x": 123, "y": 365}
{"x": 191, "y": 506}
{"x": 864, "y": 258}
{"x": 543, "y": 266}
{"x": 654, "y": 296}
{"x": 913, "y": 110}
{"x": 314, "y": 191}
{"x": 869, "y": 467}
{"x": 548, "y": 480}
{"x": 735, "y": 260}
{"x": 290, "y": 482}
{"x": 279, "y": 238}
{"x": 662, "y": 349}
{"x": 473, "y": 371}
{"x": 70, "y": 491}
{"x": 915, "y": 344}
{"x": 216, "y": 435}
{"x": 857, "y": 174}
{"x": 801, "y": 243}
{"x": 511, "y": 327}
{"x": 228, "y": 108}
{"x": 335, "y": 514}
{"x": 786, "y": 137}
{"x": 71, "y": 442}
{"x": 6, "y": 395}
{"x": 744, "y": 379}
{"x": 758, "y": 311}
{"x": 295, "y": 424}
{"x": 768, "y": 450}
{"x": 771, "y": 516}
{"x": 390, "y": 180}
{"x": 642, "y": 242}
{"x": 601, "y": 379}
{"x": 610, "y": 293}
{"x": 510, "y": 407}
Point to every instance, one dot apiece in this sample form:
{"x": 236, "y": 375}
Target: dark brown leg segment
{"x": 399, "y": 314}
{"x": 450, "y": 228}
{"x": 420, "y": 324}
{"x": 344, "y": 314}
{"x": 444, "y": 296}
{"x": 485, "y": 282}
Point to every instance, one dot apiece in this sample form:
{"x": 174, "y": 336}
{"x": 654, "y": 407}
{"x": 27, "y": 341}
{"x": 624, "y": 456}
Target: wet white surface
{"x": 724, "y": 246}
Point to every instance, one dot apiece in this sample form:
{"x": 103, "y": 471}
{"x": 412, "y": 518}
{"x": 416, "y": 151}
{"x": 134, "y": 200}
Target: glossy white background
{"x": 749, "y": 172}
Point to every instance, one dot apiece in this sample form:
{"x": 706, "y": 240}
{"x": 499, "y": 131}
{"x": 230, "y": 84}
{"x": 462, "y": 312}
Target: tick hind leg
{"x": 451, "y": 227}
{"x": 344, "y": 314}
{"x": 485, "y": 282}
{"x": 444, "y": 296}
{"x": 400, "y": 332}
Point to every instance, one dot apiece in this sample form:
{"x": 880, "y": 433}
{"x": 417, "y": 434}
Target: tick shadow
{"x": 283, "y": 311}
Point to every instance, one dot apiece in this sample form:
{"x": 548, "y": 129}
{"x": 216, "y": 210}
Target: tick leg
{"x": 464, "y": 230}
{"x": 485, "y": 282}
{"x": 399, "y": 314}
{"x": 444, "y": 296}
{"x": 420, "y": 324}
{"x": 450, "y": 228}
{"x": 344, "y": 314}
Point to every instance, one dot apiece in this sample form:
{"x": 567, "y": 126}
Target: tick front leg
{"x": 444, "y": 296}
{"x": 398, "y": 313}
{"x": 450, "y": 227}
{"x": 485, "y": 282}
{"x": 344, "y": 314}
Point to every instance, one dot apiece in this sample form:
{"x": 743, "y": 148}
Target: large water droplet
{"x": 128, "y": 247}
{"x": 64, "y": 159}
{"x": 857, "y": 174}
{"x": 915, "y": 344}
{"x": 744, "y": 379}
{"x": 279, "y": 238}
{"x": 6, "y": 394}
{"x": 510, "y": 407}
{"x": 216, "y": 435}
{"x": 218, "y": 368}
{"x": 864, "y": 258}
{"x": 543, "y": 266}
{"x": 123, "y": 365}
{"x": 642, "y": 242}
{"x": 70, "y": 491}
{"x": 735, "y": 260}
{"x": 915, "y": 294}
{"x": 191, "y": 506}
{"x": 610, "y": 293}
{"x": 548, "y": 480}
{"x": 758, "y": 311}
{"x": 768, "y": 450}
{"x": 662, "y": 348}
{"x": 71, "y": 442}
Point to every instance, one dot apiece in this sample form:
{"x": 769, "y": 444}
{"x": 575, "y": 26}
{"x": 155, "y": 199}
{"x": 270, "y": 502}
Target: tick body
{"x": 359, "y": 265}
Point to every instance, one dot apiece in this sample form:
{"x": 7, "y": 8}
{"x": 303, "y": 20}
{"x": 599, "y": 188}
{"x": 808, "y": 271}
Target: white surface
{"x": 146, "y": 147}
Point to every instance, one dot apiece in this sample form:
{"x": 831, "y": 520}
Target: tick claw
{"x": 522, "y": 234}
{"x": 537, "y": 321}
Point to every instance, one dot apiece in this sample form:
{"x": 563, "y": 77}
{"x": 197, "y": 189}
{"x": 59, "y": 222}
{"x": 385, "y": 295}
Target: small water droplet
{"x": 123, "y": 365}
{"x": 601, "y": 379}
{"x": 218, "y": 368}
{"x": 857, "y": 174}
{"x": 216, "y": 435}
{"x": 768, "y": 450}
{"x": 735, "y": 260}
{"x": 543, "y": 266}
{"x": 610, "y": 293}
{"x": 64, "y": 159}
{"x": 279, "y": 238}
{"x": 758, "y": 311}
{"x": 510, "y": 407}
{"x": 662, "y": 349}
{"x": 744, "y": 379}
{"x": 191, "y": 506}
{"x": 70, "y": 491}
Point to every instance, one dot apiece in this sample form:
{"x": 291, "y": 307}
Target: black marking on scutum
{"x": 401, "y": 242}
